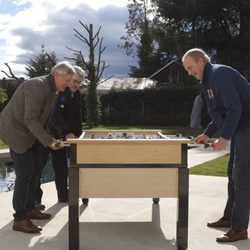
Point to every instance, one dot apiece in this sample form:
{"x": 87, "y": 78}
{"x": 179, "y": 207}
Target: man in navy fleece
{"x": 227, "y": 95}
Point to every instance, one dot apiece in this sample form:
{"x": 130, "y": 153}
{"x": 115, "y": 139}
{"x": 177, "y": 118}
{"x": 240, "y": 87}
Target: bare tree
{"x": 11, "y": 75}
{"x": 94, "y": 66}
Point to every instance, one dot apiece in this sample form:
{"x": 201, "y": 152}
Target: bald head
{"x": 194, "y": 61}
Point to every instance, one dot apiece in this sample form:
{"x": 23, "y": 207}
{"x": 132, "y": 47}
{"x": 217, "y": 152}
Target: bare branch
{"x": 74, "y": 50}
{"x": 6, "y": 73}
{"x": 102, "y": 69}
{"x": 81, "y": 37}
{"x": 11, "y": 73}
{"x": 96, "y": 43}
{"x": 104, "y": 80}
{"x": 97, "y": 33}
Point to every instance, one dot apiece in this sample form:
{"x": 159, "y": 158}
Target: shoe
{"x": 39, "y": 206}
{"x": 26, "y": 226}
{"x": 232, "y": 236}
{"x": 36, "y": 214}
{"x": 85, "y": 201}
{"x": 222, "y": 222}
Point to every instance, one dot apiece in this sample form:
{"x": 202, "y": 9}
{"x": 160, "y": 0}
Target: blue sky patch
{"x": 7, "y": 7}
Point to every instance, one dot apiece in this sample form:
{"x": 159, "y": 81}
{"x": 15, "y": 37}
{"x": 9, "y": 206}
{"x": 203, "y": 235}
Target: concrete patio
{"x": 128, "y": 224}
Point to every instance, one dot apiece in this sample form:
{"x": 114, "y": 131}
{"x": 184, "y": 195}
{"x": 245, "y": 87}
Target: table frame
{"x": 183, "y": 195}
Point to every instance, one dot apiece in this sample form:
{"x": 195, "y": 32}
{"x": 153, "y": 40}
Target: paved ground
{"x": 128, "y": 224}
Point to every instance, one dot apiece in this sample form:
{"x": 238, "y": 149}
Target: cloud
{"x": 46, "y": 23}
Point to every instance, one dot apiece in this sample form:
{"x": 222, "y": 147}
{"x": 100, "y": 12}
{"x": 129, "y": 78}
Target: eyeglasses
{"x": 77, "y": 81}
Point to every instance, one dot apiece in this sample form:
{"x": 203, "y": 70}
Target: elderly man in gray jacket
{"x": 24, "y": 126}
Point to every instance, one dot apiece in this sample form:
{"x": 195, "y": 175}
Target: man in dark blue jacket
{"x": 227, "y": 95}
{"x": 67, "y": 123}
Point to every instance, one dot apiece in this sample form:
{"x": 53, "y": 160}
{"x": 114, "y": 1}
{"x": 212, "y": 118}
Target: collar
{"x": 52, "y": 83}
{"x": 207, "y": 73}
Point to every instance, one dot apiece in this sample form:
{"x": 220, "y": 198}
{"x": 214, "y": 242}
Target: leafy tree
{"x": 139, "y": 38}
{"x": 94, "y": 66}
{"x": 7, "y": 89}
{"x": 222, "y": 28}
{"x": 41, "y": 64}
{"x": 3, "y": 95}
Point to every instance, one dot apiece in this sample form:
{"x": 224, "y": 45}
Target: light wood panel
{"x": 128, "y": 152}
{"x": 128, "y": 182}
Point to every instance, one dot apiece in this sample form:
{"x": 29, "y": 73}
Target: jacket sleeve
{"x": 35, "y": 102}
{"x": 231, "y": 102}
{"x": 211, "y": 129}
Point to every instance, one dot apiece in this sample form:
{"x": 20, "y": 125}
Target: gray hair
{"x": 79, "y": 71}
{"x": 63, "y": 68}
{"x": 197, "y": 53}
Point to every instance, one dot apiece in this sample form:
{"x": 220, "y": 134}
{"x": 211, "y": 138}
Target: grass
{"x": 216, "y": 167}
{"x": 2, "y": 145}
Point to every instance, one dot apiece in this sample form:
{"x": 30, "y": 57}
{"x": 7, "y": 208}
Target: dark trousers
{"x": 60, "y": 164}
{"x": 230, "y": 186}
{"x": 27, "y": 166}
{"x": 238, "y": 204}
{"x": 44, "y": 155}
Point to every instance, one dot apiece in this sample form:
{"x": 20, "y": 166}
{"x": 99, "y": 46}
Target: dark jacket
{"x": 28, "y": 113}
{"x": 227, "y": 95}
{"x": 67, "y": 117}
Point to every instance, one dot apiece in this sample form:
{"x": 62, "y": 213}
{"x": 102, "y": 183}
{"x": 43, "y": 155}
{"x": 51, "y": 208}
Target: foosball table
{"x": 128, "y": 164}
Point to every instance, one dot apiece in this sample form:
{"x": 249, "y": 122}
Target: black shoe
{"x": 85, "y": 201}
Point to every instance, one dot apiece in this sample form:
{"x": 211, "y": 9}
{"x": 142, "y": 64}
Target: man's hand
{"x": 56, "y": 144}
{"x": 201, "y": 139}
{"x": 220, "y": 144}
{"x": 70, "y": 135}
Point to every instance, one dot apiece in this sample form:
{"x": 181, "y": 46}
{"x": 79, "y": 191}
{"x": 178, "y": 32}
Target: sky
{"x": 26, "y": 25}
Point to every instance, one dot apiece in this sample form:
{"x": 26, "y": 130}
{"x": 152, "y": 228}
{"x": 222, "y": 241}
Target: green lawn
{"x": 2, "y": 145}
{"x": 216, "y": 167}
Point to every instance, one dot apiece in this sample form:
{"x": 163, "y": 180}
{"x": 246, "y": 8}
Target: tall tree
{"x": 220, "y": 27}
{"x": 94, "y": 66}
{"x": 41, "y": 64}
{"x": 139, "y": 40}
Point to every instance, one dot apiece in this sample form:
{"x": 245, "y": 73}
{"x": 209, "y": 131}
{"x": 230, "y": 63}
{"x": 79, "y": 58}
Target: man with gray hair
{"x": 67, "y": 123}
{"x": 227, "y": 95}
{"x": 24, "y": 126}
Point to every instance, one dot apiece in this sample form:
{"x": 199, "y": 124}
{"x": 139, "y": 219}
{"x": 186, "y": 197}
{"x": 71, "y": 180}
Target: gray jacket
{"x": 27, "y": 115}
